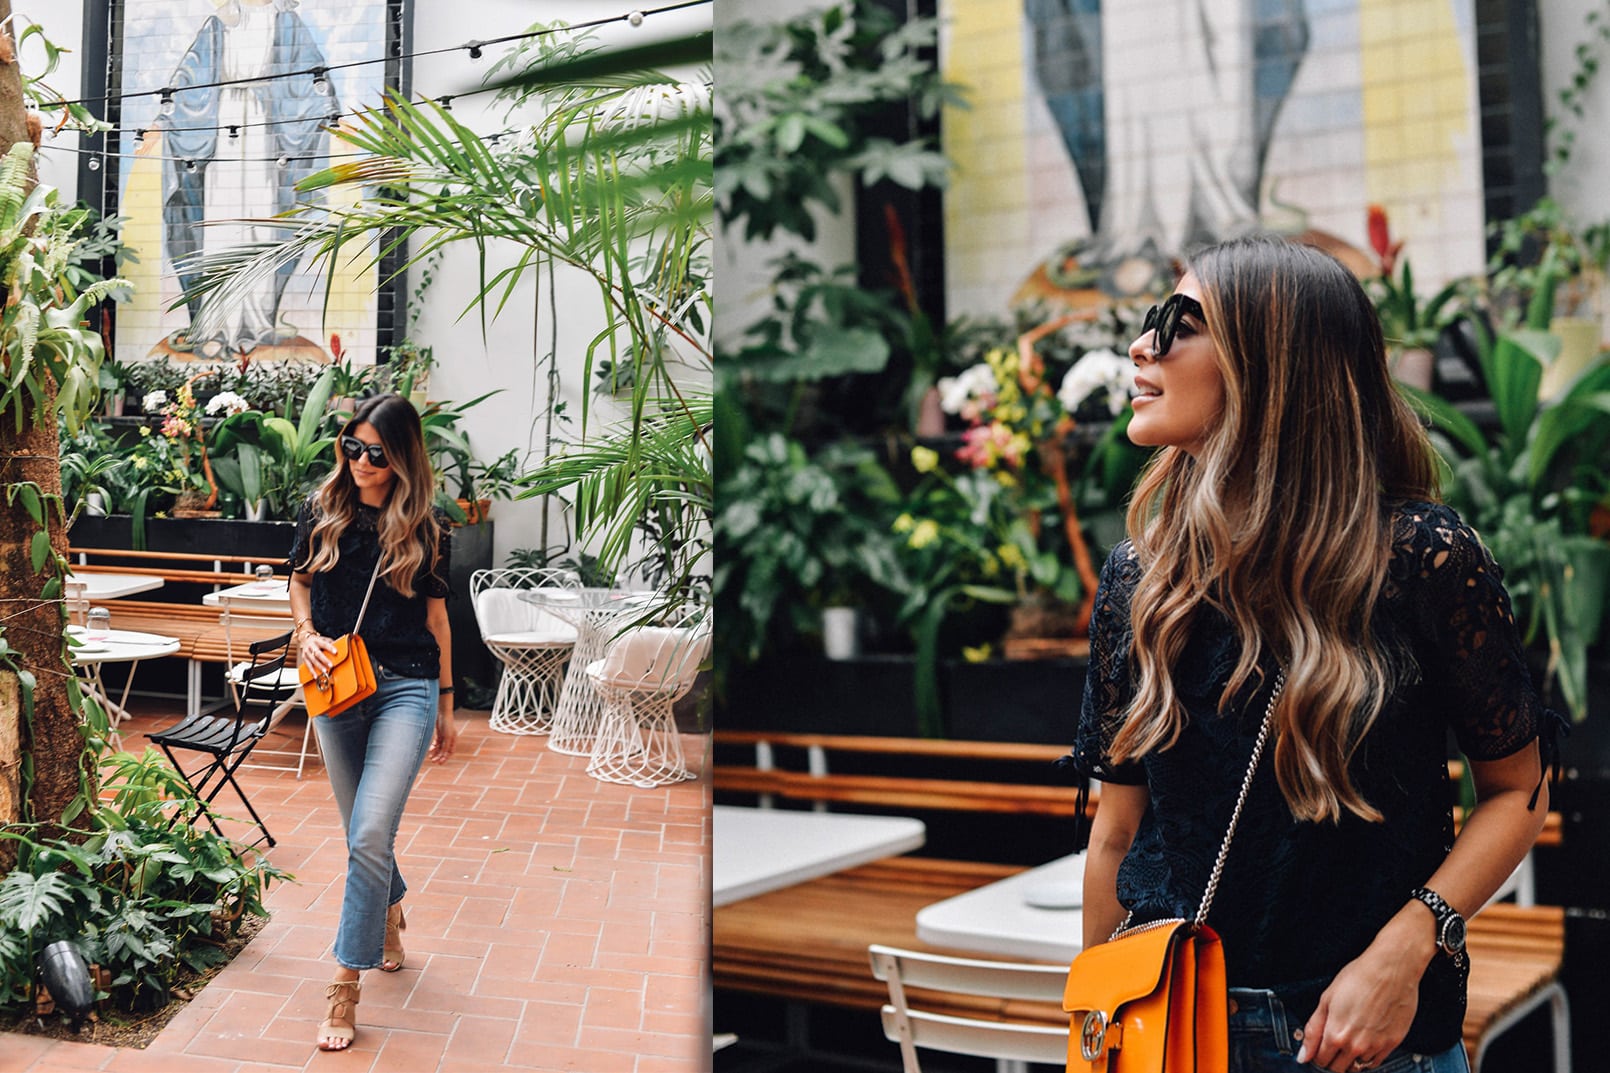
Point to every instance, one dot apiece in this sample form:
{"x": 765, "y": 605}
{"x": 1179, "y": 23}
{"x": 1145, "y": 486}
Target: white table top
{"x": 111, "y": 586}
{"x": 998, "y": 919}
{"x": 265, "y": 597}
{"x": 121, "y": 646}
{"x": 756, "y": 850}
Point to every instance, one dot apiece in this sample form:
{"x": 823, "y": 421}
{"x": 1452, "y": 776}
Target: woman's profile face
{"x": 1179, "y": 395}
{"x": 368, "y": 476}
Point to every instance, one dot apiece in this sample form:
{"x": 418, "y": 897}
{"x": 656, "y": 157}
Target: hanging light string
{"x": 98, "y": 155}
{"x": 473, "y": 48}
{"x": 191, "y": 164}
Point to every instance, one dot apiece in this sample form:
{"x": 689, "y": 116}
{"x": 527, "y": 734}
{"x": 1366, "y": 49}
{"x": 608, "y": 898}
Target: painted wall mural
{"x": 1106, "y": 138}
{"x": 215, "y": 162}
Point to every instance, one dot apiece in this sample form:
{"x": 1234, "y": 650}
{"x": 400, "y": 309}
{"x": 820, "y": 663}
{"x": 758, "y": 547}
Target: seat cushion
{"x": 285, "y": 676}
{"x": 546, "y": 638}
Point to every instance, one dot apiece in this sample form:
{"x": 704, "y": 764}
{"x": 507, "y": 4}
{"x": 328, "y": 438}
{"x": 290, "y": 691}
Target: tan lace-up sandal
{"x": 340, "y": 1023}
{"x": 396, "y": 924}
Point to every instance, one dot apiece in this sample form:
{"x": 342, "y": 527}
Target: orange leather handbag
{"x": 1153, "y": 998}
{"x": 351, "y": 677}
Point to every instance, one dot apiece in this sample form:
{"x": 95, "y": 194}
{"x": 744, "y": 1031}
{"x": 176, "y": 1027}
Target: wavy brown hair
{"x": 408, "y": 530}
{"x": 1281, "y": 521}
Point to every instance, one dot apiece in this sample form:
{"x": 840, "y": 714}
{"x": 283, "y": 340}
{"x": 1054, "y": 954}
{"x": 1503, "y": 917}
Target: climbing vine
{"x": 51, "y": 358}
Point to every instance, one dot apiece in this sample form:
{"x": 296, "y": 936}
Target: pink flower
{"x": 985, "y": 445}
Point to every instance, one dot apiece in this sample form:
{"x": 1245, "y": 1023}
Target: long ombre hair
{"x": 408, "y": 530}
{"x": 1279, "y": 521}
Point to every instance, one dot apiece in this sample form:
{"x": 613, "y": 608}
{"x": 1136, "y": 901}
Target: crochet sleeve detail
{"x": 1472, "y": 648}
{"x": 1108, "y": 681}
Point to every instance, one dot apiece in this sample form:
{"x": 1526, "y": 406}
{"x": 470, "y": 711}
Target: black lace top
{"x": 1298, "y": 901}
{"x": 394, "y": 625}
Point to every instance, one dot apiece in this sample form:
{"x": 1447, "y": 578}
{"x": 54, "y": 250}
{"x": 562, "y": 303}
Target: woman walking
{"x": 1285, "y": 543}
{"x": 373, "y": 520}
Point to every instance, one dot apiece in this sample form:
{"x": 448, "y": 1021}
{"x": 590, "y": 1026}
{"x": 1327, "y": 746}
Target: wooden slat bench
{"x": 809, "y": 942}
{"x": 812, "y": 780}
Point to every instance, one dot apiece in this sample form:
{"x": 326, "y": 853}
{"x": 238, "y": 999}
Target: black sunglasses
{"x": 353, "y": 447}
{"x": 1165, "y": 320}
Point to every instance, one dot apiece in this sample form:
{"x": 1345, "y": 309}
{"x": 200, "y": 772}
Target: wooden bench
{"x": 809, "y": 942}
{"x": 1049, "y": 795}
{"x": 200, "y": 629}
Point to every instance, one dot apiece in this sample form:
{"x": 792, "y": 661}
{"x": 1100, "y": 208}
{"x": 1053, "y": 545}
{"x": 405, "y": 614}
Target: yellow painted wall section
{"x": 1415, "y": 99}
{"x": 984, "y": 52}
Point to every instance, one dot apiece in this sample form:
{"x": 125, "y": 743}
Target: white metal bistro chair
{"x": 644, "y": 672}
{"x": 532, "y": 644}
{"x": 1011, "y": 1044}
{"x": 282, "y": 683}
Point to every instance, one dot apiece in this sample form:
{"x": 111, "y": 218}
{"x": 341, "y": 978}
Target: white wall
{"x": 64, "y": 25}
{"x": 1581, "y": 185}
{"x": 510, "y": 355}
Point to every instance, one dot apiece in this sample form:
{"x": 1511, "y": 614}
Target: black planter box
{"x": 871, "y": 695}
{"x": 470, "y": 547}
{"x": 997, "y": 700}
{"x": 1034, "y": 700}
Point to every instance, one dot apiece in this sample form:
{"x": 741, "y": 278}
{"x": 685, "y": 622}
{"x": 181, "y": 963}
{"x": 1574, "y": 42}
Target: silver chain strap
{"x": 1241, "y": 800}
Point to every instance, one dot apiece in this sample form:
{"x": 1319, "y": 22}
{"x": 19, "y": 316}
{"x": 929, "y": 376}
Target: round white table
{"x": 593, "y": 612}
{"x": 91, "y": 654}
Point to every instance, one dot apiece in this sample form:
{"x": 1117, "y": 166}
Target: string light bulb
{"x": 234, "y": 132}
{"x": 94, "y": 163}
{"x": 165, "y": 101}
{"x": 446, "y": 103}
{"x": 475, "y": 49}
{"x": 283, "y": 162}
{"x": 190, "y": 166}
{"x": 321, "y": 83}
{"x": 635, "y": 18}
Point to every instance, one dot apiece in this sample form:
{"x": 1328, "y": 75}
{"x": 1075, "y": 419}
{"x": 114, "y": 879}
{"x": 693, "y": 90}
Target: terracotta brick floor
{"x": 555, "y": 922}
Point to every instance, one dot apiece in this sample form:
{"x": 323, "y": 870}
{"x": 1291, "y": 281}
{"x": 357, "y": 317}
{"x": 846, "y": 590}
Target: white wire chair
{"x": 532, "y": 644}
{"x": 1010, "y": 1043}
{"x": 644, "y": 672}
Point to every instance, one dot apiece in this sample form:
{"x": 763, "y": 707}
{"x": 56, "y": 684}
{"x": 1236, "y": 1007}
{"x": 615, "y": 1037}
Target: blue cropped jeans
{"x": 1263, "y": 1040}
{"x": 372, "y": 753}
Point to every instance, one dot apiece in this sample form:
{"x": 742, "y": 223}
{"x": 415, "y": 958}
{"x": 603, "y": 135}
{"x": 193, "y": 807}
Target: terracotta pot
{"x": 1414, "y": 366}
{"x": 475, "y": 511}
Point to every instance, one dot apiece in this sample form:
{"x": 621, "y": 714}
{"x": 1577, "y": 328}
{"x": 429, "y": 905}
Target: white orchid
{"x": 227, "y": 402}
{"x": 153, "y": 401}
{"x": 963, "y": 394}
{"x": 1098, "y": 370}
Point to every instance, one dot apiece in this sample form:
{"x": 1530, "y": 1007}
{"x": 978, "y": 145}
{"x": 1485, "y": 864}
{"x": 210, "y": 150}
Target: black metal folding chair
{"x": 227, "y": 732}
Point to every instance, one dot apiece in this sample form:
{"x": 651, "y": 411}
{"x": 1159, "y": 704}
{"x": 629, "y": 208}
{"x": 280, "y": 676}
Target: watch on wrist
{"x": 1450, "y": 925}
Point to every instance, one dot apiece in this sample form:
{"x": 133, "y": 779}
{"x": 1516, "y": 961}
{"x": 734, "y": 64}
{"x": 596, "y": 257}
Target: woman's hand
{"x": 314, "y": 653}
{"x": 1366, "y": 1011}
{"x": 441, "y": 747}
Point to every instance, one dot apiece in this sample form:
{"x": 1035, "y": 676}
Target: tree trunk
{"x": 33, "y": 627}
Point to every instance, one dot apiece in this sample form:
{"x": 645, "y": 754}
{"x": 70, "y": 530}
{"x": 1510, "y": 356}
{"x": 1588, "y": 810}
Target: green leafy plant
{"x": 138, "y": 895}
{"x": 1530, "y": 488}
{"x": 89, "y": 464}
{"x": 799, "y": 101}
{"x": 451, "y": 455}
{"x": 797, "y": 533}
